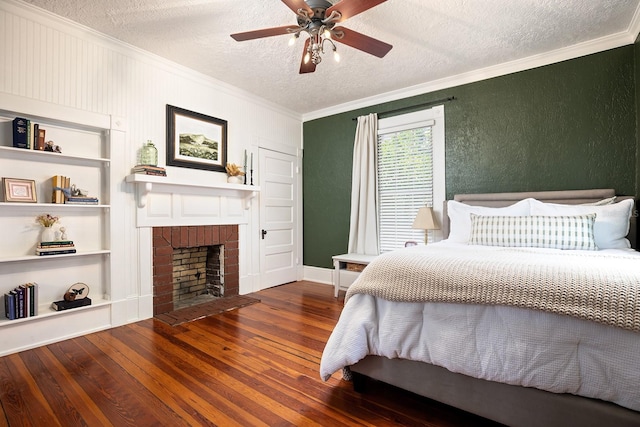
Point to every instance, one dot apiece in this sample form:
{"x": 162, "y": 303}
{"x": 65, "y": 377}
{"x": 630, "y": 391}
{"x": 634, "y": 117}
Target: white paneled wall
{"x": 48, "y": 58}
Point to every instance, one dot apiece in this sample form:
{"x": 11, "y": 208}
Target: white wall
{"x": 47, "y": 58}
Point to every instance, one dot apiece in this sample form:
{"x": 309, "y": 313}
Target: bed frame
{"x": 504, "y": 403}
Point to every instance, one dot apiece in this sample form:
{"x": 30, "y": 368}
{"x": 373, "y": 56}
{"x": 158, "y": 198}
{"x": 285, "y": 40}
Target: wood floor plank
{"x": 254, "y": 366}
{"x": 25, "y": 402}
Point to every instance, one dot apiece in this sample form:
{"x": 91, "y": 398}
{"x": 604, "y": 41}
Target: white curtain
{"x": 363, "y": 229}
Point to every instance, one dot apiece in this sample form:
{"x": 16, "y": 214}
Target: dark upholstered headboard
{"x": 569, "y": 197}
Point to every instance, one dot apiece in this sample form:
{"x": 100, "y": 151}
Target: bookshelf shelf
{"x": 47, "y": 156}
{"x": 93, "y": 152}
{"x": 36, "y": 258}
{"x": 45, "y": 310}
{"x": 40, "y": 206}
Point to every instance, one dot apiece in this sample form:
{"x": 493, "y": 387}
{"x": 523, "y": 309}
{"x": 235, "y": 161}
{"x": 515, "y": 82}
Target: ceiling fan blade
{"x": 295, "y": 5}
{"x": 309, "y": 67}
{"x": 360, "y": 41}
{"x": 349, "y": 8}
{"x": 267, "y": 32}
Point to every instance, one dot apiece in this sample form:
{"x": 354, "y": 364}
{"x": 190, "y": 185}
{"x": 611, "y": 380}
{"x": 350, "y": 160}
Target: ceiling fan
{"x": 318, "y": 19}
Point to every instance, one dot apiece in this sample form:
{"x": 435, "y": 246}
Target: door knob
{"x": 264, "y": 232}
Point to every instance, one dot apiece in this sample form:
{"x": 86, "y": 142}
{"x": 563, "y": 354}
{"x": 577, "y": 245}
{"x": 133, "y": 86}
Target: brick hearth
{"x": 166, "y": 239}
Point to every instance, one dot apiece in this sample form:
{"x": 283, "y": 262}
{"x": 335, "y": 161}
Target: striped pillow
{"x": 558, "y": 232}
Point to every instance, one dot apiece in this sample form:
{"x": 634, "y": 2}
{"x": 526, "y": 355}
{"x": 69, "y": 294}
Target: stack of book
{"x": 149, "y": 170}
{"x": 58, "y": 247}
{"x": 21, "y": 302}
{"x": 81, "y": 200}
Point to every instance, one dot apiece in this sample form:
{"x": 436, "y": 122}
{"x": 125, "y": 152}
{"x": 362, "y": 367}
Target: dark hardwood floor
{"x": 254, "y": 366}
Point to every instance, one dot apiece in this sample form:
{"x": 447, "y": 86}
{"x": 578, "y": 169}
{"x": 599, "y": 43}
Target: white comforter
{"x": 513, "y": 345}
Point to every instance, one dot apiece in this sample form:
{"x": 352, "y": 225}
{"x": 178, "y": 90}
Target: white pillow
{"x": 460, "y": 216}
{"x": 612, "y": 221}
{"x": 573, "y": 232}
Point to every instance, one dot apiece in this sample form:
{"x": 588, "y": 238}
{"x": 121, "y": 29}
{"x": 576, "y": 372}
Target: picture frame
{"x": 19, "y": 190}
{"x": 196, "y": 140}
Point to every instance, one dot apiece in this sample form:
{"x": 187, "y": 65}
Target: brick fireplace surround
{"x": 166, "y": 239}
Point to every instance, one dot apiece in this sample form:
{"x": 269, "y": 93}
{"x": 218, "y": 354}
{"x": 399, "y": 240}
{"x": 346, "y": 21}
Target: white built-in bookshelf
{"x": 89, "y": 143}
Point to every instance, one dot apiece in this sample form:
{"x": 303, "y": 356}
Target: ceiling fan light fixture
{"x": 318, "y": 19}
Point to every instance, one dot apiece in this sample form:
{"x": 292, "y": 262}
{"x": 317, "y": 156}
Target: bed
{"x": 483, "y": 342}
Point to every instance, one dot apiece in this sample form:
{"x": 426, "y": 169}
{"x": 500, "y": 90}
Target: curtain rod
{"x": 413, "y": 107}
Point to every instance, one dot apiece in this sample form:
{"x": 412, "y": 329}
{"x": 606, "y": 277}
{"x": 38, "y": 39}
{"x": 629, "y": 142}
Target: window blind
{"x": 405, "y": 184}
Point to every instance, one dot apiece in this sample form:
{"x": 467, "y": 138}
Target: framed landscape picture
{"x": 195, "y": 140}
{"x": 19, "y": 190}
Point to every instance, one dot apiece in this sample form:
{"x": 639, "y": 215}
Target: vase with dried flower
{"x": 47, "y": 221}
{"x": 234, "y": 173}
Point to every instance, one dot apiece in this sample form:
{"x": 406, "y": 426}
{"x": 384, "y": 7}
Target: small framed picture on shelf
{"x": 19, "y": 190}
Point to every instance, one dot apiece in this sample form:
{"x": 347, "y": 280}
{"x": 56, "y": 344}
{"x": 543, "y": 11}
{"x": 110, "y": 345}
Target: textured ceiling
{"x": 432, "y": 39}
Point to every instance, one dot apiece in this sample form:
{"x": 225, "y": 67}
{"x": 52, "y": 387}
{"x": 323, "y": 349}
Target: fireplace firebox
{"x": 167, "y": 241}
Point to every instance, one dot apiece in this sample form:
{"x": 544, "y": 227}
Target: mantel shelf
{"x": 149, "y": 183}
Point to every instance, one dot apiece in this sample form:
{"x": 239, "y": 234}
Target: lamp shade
{"x": 425, "y": 219}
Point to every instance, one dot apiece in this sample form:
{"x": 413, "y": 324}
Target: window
{"x": 410, "y": 154}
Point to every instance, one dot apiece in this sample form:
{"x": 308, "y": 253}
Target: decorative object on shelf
{"x": 52, "y": 147}
{"x": 76, "y": 296}
{"x": 48, "y": 234}
{"x": 234, "y": 173}
{"x": 425, "y": 220}
{"x": 19, "y": 190}
{"x": 63, "y": 233}
{"x": 195, "y": 140}
{"x": 149, "y": 154}
{"x": 251, "y": 168}
{"x": 77, "y": 291}
{"x": 77, "y": 192}
{"x": 47, "y": 221}
{"x": 245, "y": 167}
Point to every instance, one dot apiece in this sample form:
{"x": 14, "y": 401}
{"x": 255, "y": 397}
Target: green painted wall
{"x": 570, "y": 125}
{"x": 637, "y": 77}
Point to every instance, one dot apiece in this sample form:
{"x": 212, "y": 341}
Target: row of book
{"x": 149, "y": 170}
{"x": 27, "y": 134}
{"x": 58, "y": 247}
{"x": 21, "y": 302}
{"x": 59, "y": 181}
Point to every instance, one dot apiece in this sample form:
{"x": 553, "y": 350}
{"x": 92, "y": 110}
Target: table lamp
{"x": 425, "y": 220}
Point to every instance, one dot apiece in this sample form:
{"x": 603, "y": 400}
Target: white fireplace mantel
{"x": 165, "y": 201}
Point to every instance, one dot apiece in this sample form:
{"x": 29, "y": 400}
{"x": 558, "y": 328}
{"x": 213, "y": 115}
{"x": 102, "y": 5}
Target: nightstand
{"x": 347, "y": 268}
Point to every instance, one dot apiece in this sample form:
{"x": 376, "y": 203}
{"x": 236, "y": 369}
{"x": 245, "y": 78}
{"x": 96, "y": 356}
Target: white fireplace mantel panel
{"x": 163, "y": 201}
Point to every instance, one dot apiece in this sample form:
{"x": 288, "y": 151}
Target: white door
{"x": 278, "y": 189}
